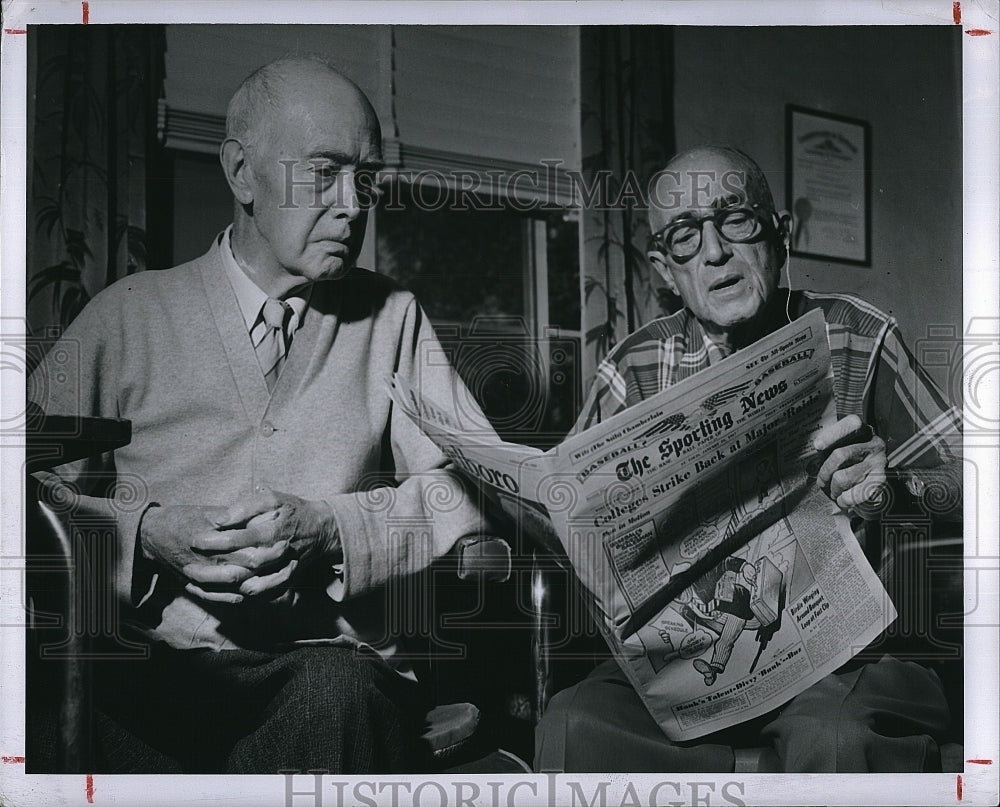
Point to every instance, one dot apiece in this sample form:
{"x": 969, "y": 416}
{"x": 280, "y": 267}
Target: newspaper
{"x": 725, "y": 582}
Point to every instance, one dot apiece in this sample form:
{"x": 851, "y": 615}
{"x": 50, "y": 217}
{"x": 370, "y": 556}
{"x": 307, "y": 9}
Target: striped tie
{"x": 273, "y": 344}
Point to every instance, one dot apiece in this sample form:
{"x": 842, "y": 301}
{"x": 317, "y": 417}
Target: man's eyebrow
{"x": 729, "y": 200}
{"x": 342, "y": 158}
{"x": 720, "y": 202}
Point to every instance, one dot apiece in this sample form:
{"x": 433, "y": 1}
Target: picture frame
{"x": 828, "y": 185}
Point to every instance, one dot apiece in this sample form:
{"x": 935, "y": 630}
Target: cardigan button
{"x": 267, "y": 429}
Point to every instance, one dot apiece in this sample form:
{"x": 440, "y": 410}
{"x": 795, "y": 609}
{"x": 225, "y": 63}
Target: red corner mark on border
{"x": 15, "y": 31}
{"x": 958, "y": 787}
{"x": 86, "y": 11}
{"x": 980, "y": 761}
{"x": 90, "y": 788}
{"x": 956, "y": 15}
{"x": 12, "y": 760}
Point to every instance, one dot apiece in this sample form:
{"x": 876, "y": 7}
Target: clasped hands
{"x": 853, "y": 469}
{"x": 250, "y": 549}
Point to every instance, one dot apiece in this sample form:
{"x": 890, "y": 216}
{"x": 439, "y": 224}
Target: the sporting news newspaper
{"x": 724, "y": 581}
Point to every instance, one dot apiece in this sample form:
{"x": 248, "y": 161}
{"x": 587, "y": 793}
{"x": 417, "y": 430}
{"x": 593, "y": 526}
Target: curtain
{"x": 90, "y": 137}
{"x": 627, "y": 135}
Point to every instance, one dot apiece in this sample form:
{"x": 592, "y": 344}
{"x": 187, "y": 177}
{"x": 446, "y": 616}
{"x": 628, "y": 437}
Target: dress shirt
{"x": 251, "y": 298}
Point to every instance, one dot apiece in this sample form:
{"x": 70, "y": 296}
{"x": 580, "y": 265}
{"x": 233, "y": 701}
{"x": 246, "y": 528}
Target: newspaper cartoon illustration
{"x": 746, "y": 591}
{"x": 746, "y": 596}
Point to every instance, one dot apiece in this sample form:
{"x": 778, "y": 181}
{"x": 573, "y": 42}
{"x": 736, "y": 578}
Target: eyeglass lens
{"x": 683, "y": 239}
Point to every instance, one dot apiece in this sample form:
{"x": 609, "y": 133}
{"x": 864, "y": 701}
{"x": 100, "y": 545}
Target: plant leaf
{"x": 590, "y": 285}
{"x": 76, "y": 246}
{"x": 72, "y": 303}
{"x": 88, "y": 165}
{"x": 596, "y": 332}
{"x": 135, "y": 242}
{"x": 64, "y": 272}
{"x": 48, "y": 214}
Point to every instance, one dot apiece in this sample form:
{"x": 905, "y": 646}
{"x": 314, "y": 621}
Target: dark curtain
{"x": 91, "y": 139}
{"x": 627, "y": 130}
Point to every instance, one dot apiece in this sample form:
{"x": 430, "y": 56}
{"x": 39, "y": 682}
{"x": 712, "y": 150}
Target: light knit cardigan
{"x": 169, "y": 350}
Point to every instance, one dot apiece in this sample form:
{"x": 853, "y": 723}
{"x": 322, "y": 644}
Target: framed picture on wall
{"x": 828, "y": 185}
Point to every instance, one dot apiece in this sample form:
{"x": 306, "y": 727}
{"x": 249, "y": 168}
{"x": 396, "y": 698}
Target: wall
{"x": 732, "y": 85}
{"x": 202, "y": 204}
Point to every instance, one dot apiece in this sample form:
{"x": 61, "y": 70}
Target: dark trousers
{"x": 328, "y": 709}
{"x": 876, "y": 717}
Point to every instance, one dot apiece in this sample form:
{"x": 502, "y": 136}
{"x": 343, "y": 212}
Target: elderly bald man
{"x": 720, "y": 244}
{"x": 253, "y": 569}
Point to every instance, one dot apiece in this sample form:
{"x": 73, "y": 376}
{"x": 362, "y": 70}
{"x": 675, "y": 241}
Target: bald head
{"x": 718, "y": 242}
{"x": 301, "y": 156}
{"x": 273, "y": 92}
{"x": 704, "y": 177}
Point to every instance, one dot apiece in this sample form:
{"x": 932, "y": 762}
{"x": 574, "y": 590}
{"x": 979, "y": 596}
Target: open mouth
{"x": 725, "y": 283}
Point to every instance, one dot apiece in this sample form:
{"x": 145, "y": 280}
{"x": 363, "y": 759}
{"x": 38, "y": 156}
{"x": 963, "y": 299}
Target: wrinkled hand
{"x": 168, "y": 535}
{"x": 854, "y": 471}
{"x": 273, "y": 534}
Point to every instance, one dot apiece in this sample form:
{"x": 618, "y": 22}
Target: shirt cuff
{"x": 336, "y": 589}
{"x": 144, "y": 571}
{"x": 363, "y": 566}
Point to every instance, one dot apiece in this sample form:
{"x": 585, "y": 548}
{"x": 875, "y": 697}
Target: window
{"x": 502, "y": 289}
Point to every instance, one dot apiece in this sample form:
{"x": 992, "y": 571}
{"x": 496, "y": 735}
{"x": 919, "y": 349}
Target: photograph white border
{"x": 977, "y": 784}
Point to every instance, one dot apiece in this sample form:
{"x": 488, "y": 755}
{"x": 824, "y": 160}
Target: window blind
{"x": 204, "y": 64}
{"x": 497, "y": 103}
{"x": 499, "y": 98}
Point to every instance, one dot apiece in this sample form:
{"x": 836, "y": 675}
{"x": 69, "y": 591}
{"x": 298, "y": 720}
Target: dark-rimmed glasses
{"x": 681, "y": 238}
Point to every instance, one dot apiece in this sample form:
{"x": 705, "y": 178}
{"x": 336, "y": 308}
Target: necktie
{"x": 273, "y": 344}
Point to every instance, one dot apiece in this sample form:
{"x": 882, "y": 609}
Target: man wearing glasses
{"x": 720, "y": 245}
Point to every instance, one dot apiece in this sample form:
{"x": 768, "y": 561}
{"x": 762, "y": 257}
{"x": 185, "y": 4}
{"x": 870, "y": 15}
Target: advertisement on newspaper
{"x": 724, "y": 581}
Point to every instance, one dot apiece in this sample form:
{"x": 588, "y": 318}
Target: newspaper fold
{"x": 723, "y": 580}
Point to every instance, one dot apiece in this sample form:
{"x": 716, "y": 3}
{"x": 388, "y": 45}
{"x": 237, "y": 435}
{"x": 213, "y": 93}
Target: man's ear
{"x": 784, "y": 229}
{"x": 784, "y": 226}
{"x": 236, "y": 166}
{"x": 657, "y": 261}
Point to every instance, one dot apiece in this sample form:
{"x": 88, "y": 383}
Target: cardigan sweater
{"x": 169, "y": 351}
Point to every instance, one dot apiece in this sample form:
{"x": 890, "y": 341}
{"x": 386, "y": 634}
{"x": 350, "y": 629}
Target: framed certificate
{"x": 828, "y": 185}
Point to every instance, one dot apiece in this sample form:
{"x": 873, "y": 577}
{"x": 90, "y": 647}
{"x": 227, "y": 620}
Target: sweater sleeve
{"x": 395, "y": 531}
{"x": 78, "y": 376}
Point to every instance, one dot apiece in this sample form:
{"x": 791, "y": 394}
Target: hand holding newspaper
{"x": 724, "y": 581}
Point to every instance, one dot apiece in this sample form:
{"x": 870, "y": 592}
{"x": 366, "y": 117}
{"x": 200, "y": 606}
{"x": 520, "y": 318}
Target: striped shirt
{"x": 875, "y": 376}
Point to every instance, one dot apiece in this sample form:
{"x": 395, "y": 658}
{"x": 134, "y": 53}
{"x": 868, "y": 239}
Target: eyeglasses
{"x": 681, "y": 239}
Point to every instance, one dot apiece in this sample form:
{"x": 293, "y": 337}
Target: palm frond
{"x": 48, "y": 214}
{"x": 64, "y": 272}
{"x": 76, "y": 246}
